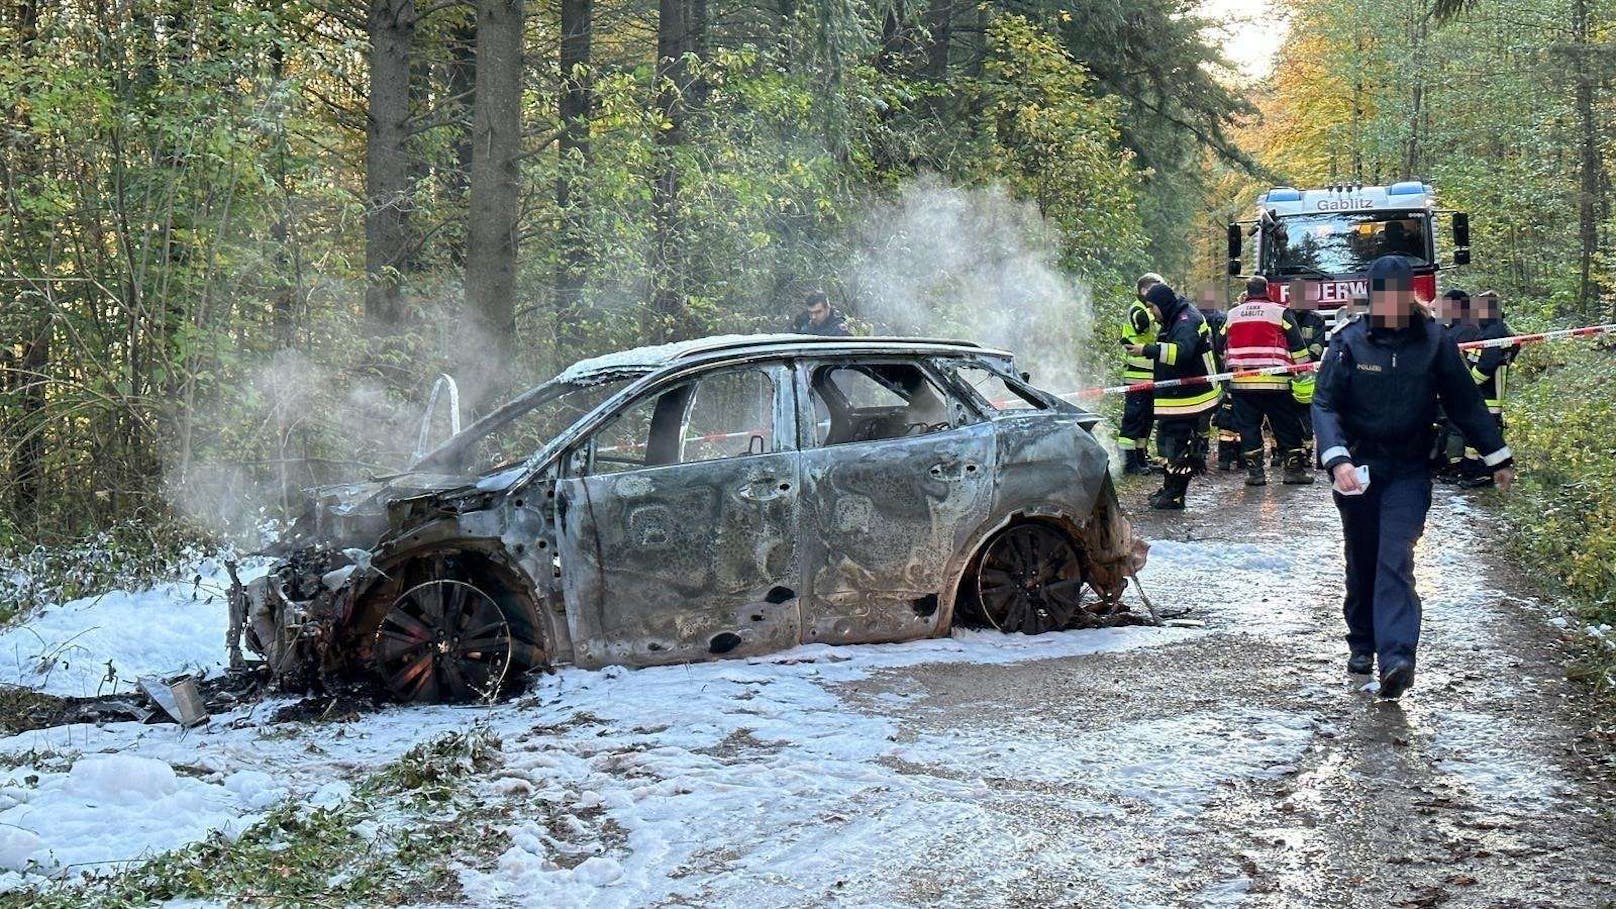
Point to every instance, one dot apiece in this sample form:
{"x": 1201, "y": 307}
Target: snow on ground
{"x": 66, "y": 648}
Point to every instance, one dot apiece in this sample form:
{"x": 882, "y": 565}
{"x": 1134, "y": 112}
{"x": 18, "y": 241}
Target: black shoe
{"x": 1396, "y": 679}
{"x": 1296, "y": 472}
{"x": 1254, "y": 473}
{"x": 1167, "y": 499}
{"x": 1361, "y": 663}
{"x": 1135, "y": 464}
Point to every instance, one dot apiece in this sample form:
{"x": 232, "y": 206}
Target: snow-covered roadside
{"x": 655, "y": 770}
{"x": 101, "y": 644}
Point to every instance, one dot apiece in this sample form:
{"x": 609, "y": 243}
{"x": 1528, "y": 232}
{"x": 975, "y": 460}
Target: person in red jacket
{"x": 1261, "y": 333}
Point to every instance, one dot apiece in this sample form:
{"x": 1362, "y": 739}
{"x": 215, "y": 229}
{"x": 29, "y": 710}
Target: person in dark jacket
{"x": 1315, "y": 334}
{"x": 1182, "y": 350}
{"x": 820, "y": 318}
{"x": 1378, "y": 389}
{"x": 1138, "y": 407}
{"x": 1489, "y": 367}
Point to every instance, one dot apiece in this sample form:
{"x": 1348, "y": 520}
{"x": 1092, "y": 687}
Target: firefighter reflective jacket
{"x": 1183, "y": 349}
{"x": 1259, "y": 334}
{"x": 1138, "y": 328}
{"x": 1313, "y": 328}
{"x": 1489, "y": 366}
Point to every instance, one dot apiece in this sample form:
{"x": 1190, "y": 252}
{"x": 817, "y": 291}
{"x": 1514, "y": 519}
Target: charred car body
{"x": 715, "y": 498}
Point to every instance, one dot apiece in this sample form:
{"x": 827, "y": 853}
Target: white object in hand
{"x": 1363, "y": 482}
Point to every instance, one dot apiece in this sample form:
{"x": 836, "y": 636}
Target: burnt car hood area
{"x": 724, "y": 497}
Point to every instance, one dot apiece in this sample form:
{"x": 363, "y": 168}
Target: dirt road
{"x": 1275, "y": 781}
{"x": 1235, "y": 764}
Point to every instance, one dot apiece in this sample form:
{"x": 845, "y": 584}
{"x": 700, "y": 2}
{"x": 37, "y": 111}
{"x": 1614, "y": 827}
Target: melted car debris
{"x": 900, "y": 502}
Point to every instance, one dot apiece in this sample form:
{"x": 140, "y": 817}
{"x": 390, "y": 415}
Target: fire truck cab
{"x": 1316, "y": 244}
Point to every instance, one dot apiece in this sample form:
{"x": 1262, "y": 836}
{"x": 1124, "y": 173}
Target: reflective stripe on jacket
{"x": 1138, "y": 328}
{"x": 1259, "y": 334}
{"x": 1183, "y": 350}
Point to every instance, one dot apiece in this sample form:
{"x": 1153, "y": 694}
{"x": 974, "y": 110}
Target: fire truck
{"x": 1319, "y": 242}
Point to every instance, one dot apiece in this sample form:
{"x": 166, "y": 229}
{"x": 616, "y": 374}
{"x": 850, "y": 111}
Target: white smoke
{"x": 976, "y": 264}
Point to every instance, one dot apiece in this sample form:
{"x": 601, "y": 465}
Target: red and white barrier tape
{"x": 1512, "y": 341}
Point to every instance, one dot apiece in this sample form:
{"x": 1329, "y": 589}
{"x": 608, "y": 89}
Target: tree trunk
{"x": 1590, "y": 165}
{"x": 674, "y": 41}
{"x": 391, "y": 24}
{"x": 576, "y": 104}
{"x": 460, "y": 83}
{"x": 1411, "y": 156}
{"x": 496, "y": 135}
{"x": 940, "y": 25}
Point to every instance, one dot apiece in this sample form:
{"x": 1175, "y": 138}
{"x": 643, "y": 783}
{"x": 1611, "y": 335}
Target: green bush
{"x": 1562, "y": 428}
{"x": 136, "y": 552}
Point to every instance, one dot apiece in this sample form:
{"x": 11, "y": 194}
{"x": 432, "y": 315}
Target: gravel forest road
{"x": 1275, "y": 779}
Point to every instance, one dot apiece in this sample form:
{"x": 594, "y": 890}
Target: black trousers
{"x": 1279, "y": 407}
{"x": 1138, "y": 408}
{"x": 1183, "y": 442}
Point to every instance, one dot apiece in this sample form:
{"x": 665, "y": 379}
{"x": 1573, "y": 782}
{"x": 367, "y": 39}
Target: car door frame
{"x": 844, "y": 600}
{"x": 618, "y": 606}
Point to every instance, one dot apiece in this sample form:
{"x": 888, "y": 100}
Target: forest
{"x": 239, "y": 242}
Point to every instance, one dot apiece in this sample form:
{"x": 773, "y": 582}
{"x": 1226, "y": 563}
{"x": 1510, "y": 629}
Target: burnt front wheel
{"x": 1029, "y": 579}
{"x": 443, "y": 641}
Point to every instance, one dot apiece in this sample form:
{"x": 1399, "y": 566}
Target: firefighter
{"x": 1182, "y": 349}
{"x": 1223, "y": 418}
{"x": 1458, "y": 325}
{"x": 1259, "y": 334}
{"x": 1315, "y": 331}
{"x": 820, "y": 318}
{"x": 1489, "y": 367}
{"x": 1378, "y": 389}
{"x": 1138, "y": 329}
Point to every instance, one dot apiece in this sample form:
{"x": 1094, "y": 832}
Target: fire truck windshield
{"x": 1343, "y": 243}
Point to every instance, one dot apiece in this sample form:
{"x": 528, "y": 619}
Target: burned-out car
{"x": 716, "y": 498}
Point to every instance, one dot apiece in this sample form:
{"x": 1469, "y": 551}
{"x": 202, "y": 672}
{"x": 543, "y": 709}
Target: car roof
{"x": 652, "y": 358}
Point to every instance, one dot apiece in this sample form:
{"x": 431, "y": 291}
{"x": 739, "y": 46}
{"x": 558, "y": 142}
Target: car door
{"x": 896, "y": 475}
{"x": 679, "y": 524}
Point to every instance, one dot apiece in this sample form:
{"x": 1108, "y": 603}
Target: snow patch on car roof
{"x": 657, "y": 355}
{"x": 644, "y": 359}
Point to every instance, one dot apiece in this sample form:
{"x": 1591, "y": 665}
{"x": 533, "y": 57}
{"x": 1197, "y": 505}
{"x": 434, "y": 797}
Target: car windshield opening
{"x": 505, "y": 439}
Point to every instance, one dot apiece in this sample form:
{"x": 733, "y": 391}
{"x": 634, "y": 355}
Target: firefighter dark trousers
{"x": 1184, "y": 443}
{"x": 1138, "y": 407}
{"x": 1381, "y": 527}
{"x": 1279, "y": 407}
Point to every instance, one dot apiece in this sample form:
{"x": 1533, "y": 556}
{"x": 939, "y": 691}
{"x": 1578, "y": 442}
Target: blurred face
{"x": 1298, "y": 299}
{"x": 1392, "y": 303}
{"x": 1487, "y": 307}
{"x": 818, "y": 313}
{"x": 1210, "y": 301}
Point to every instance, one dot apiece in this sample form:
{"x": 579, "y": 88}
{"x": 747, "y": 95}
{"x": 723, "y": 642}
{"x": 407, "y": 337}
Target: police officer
{"x": 1138, "y": 329}
{"x": 1182, "y": 350}
{"x": 1261, "y": 334}
{"x": 820, "y": 318}
{"x": 1378, "y": 389}
{"x": 1489, "y": 367}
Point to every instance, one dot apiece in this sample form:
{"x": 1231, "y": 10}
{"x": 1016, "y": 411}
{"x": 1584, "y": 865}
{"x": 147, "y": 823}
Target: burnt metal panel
{"x": 882, "y": 520}
{"x": 680, "y": 563}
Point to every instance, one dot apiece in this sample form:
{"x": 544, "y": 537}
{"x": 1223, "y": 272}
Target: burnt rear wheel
{"x": 443, "y": 640}
{"x": 1030, "y": 579}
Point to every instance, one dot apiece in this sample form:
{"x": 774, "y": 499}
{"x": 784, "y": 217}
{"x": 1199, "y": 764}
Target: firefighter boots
{"x": 1136, "y": 463}
{"x": 1255, "y": 475}
{"x": 1296, "y": 472}
{"x": 1227, "y": 454}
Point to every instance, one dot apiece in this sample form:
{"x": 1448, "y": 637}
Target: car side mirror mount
{"x": 1461, "y": 257}
{"x": 1236, "y": 241}
{"x": 1234, "y": 267}
{"x": 1461, "y": 230}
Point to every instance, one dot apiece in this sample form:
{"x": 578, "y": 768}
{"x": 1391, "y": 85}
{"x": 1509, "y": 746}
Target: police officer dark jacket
{"x": 1182, "y": 350}
{"x": 1378, "y": 391}
{"x": 834, "y": 326}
